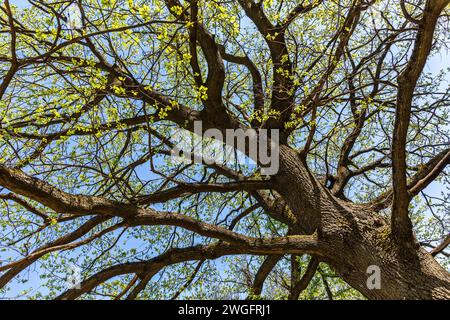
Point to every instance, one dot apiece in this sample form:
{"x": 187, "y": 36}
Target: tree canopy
{"x": 93, "y": 93}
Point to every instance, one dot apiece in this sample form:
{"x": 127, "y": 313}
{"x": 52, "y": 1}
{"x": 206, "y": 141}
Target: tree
{"x": 94, "y": 92}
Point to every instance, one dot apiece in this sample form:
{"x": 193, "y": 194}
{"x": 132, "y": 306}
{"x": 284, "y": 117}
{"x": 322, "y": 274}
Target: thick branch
{"x": 170, "y": 257}
{"x": 407, "y": 81}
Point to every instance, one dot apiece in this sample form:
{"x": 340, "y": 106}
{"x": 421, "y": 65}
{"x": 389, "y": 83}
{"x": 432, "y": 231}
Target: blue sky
{"x": 435, "y": 64}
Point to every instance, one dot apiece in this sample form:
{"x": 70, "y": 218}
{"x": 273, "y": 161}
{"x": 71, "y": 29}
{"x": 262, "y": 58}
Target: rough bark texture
{"x": 356, "y": 237}
{"x": 320, "y": 221}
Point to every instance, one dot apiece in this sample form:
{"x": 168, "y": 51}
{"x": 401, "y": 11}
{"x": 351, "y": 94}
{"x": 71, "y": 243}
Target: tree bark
{"x": 357, "y": 237}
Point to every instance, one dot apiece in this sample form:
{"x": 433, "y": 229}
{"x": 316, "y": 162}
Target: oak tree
{"x": 92, "y": 94}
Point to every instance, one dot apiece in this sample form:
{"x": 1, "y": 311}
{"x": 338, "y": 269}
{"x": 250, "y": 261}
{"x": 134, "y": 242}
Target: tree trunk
{"x": 357, "y": 237}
